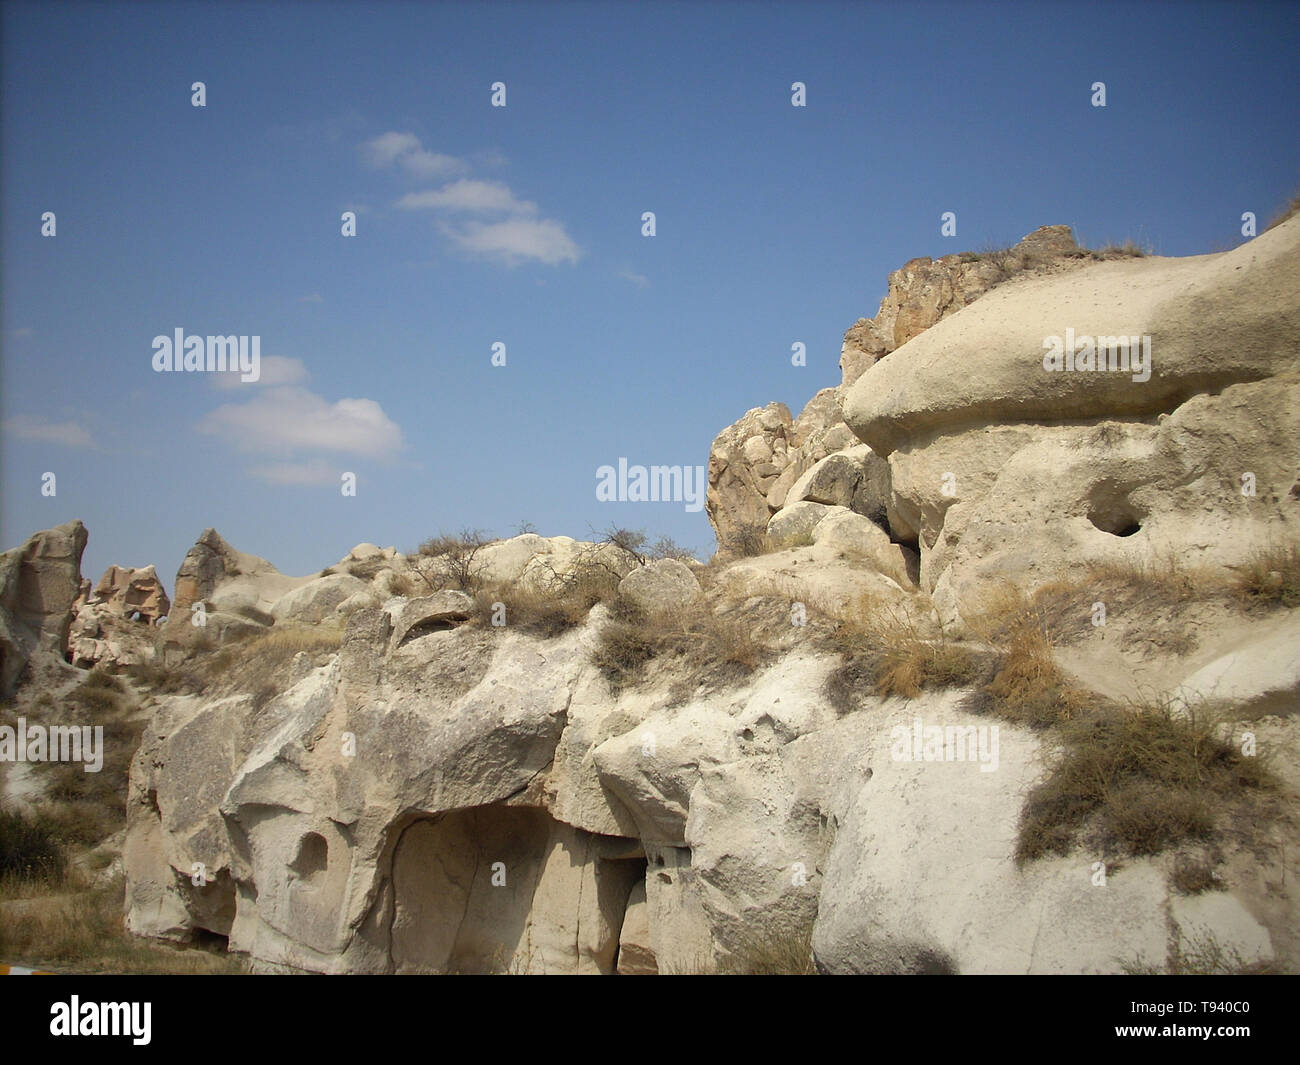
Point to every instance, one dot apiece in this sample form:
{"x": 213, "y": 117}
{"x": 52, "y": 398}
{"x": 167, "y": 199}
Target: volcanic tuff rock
{"x": 126, "y": 591}
{"x": 755, "y": 464}
{"x": 923, "y": 291}
{"x": 1002, "y": 468}
{"x": 442, "y": 794}
{"x": 39, "y": 583}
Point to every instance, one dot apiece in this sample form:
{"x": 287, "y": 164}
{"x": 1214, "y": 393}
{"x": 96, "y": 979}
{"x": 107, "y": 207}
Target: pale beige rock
{"x": 923, "y": 291}
{"x": 985, "y": 365}
{"x": 664, "y": 585}
{"x": 316, "y": 600}
{"x": 795, "y": 523}
{"x": 127, "y": 591}
{"x": 636, "y": 957}
{"x": 39, "y": 584}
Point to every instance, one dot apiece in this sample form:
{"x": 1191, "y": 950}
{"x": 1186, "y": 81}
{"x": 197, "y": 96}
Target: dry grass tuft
{"x": 887, "y": 651}
{"x": 1146, "y": 778}
{"x": 697, "y": 645}
{"x": 72, "y": 926}
{"x": 1270, "y": 577}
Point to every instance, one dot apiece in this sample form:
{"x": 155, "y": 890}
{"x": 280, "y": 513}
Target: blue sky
{"x": 522, "y": 225}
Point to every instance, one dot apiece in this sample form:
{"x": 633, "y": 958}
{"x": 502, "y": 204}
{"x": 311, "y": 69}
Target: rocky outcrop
{"x": 763, "y": 462}
{"x": 374, "y": 817}
{"x": 924, "y": 291}
{"x": 128, "y": 592}
{"x": 220, "y": 590}
{"x": 39, "y": 584}
{"x": 448, "y": 795}
{"x": 1001, "y": 466}
{"x": 756, "y": 464}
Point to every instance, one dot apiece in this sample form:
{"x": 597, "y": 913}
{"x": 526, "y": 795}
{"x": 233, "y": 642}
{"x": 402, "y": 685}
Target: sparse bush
{"x": 82, "y": 928}
{"x": 260, "y": 617}
{"x": 29, "y": 848}
{"x": 1027, "y": 687}
{"x": 1192, "y": 876}
{"x": 704, "y": 647}
{"x": 766, "y": 951}
{"x": 1270, "y": 577}
{"x": 97, "y": 678}
{"x": 888, "y": 652}
{"x": 164, "y": 681}
{"x": 1146, "y": 778}
{"x": 1005, "y": 260}
{"x": 1286, "y": 214}
{"x": 745, "y": 541}
{"x": 457, "y": 555}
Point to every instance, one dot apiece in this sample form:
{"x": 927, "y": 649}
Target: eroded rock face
{"x": 237, "y": 592}
{"x": 386, "y": 814}
{"x": 924, "y": 291}
{"x": 126, "y": 592}
{"x": 1001, "y": 468}
{"x": 444, "y": 796}
{"x": 39, "y": 584}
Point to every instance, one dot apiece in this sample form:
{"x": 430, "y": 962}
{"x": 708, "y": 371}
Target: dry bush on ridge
{"x": 1144, "y": 778}
{"x": 887, "y": 651}
{"x": 1269, "y": 578}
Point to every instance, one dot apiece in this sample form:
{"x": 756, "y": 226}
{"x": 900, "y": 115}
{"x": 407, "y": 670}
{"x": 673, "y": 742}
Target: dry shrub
{"x": 697, "y": 645}
{"x": 763, "y": 950}
{"x": 1146, "y": 778}
{"x": 72, "y": 925}
{"x": 163, "y": 680}
{"x": 1287, "y": 213}
{"x": 259, "y": 665}
{"x": 887, "y": 651}
{"x": 1027, "y": 687}
{"x": 30, "y": 848}
{"x": 1270, "y": 577}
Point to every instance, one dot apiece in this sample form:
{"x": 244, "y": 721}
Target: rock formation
{"x": 429, "y": 786}
{"x": 39, "y": 583}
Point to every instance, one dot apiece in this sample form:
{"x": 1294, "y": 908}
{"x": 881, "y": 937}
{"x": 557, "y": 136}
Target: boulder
{"x": 796, "y": 522}
{"x": 664, "y": 585}
{"x": 317, "y": 600}
{"x": 855, "y": 478}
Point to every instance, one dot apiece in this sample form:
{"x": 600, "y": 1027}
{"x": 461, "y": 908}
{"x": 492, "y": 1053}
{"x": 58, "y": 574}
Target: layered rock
{"x": 1001, "y": 466}
{"x": 128, "y": 592}
{"x": 924, "y": 291}
{"x": 236, "y": 592}
{"x": 39, "y": 584}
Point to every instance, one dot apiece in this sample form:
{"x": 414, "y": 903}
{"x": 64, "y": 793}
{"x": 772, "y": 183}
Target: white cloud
{"x": 640, "y": 280}
{"x": 384, "y": 149}
{"x": 516, "y": 239}
{"x": 469, "y": 195}
{"x": 283, "y": 419}
{"x": 315, "y": 472}
{"x": 314, "y": 297}
{"x": 405, "y": 150}
{"x": 276, "y": 370}
{"x": 34, "y": 427}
